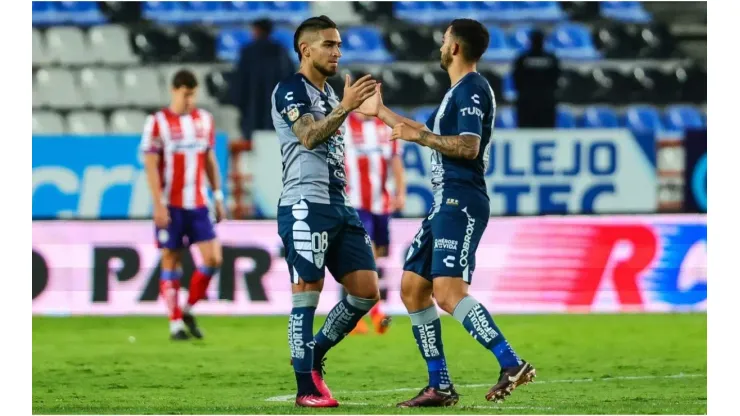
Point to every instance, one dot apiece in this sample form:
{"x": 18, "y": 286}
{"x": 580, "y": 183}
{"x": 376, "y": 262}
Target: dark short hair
{"x": 265, "y": 25}
{"x": 184, "y": 78}
{"x": 313, "y": 24}
{"x": 473, "y": 37}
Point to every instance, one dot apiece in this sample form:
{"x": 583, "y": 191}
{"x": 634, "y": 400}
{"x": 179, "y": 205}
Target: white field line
{"x": 291, "y": 397}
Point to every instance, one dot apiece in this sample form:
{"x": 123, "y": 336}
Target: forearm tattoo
{"x": 312, "y": 133}
{"x": 461, "y": 147}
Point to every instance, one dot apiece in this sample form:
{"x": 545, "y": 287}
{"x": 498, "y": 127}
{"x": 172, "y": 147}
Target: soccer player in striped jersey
{"x": 178, "y": 156}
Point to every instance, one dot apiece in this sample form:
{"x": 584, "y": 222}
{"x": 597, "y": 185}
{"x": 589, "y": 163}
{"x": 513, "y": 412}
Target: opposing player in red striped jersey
{"x": 178, "y": 144}
{"x": 370, "y": 156}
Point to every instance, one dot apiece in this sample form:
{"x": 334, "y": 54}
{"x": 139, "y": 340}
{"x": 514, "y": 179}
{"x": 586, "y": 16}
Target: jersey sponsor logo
{"x": 445, "y": 244}
{"x": 468, "y": 235}
{"x": 163, "y": 236}
{"x": 453, "y": 201}
{"x": 471, "y": 111}
{"x": 475, "y": 98}
{"x": 481, "y": 325}
{"x": 293, "y": 114}
{"x": 428, "y": 340}
{"x": 449, "y": 261}
{"x": 289, "y": 96}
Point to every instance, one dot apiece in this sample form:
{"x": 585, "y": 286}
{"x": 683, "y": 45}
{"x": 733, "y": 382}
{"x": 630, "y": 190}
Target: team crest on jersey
{"x": 293, "y": 114}
{"x": 318, "y": 259}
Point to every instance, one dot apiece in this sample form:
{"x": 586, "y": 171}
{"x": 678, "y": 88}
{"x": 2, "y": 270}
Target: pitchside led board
{"x": 94, "y": 177}
{"x": 654, "y": 263}
{"x": 530, "y": 172}
{"x": 695, "y": 171}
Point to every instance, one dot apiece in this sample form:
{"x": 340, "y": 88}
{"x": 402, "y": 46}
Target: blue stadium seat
{"x": 519, "y": 38}
{"x": 498, "y": 46}
{"x": 625, "y": 11}
{"x": 422, "y": 114}
{"x": 508, "y": 88}
{"x": 230, "y": 41}
{"x": 572, "y": 41}
{"x": 287, "y": 11}
{"x": 541, "y": 11}
{"x": 506, "y": 118}
{"x": 46, "y": 13}
{"x": 163, "y": 11}
{"x": 284, "y": 37}
{"x": 643, "y": 118}
{"x": 565, "y": 119}
{"x": 499, "y": 11}
{"x": 245, "y": 11}
{"x": 599, "y": 117}
{"x": 413, "y": 11}
{"x": 364, "y": 44}
{"x": 203, "y": 11}
{"x": 81, "y": 12}
{"x": 445, "y": 11}
{"x": 679, "y": 117}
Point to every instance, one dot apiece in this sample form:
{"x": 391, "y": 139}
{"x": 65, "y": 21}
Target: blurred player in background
{"x": 441, "y": 260}
{"x": 178, "y": 144}
{"x": 370, "y": 157}
{"x": 316, "y": 222}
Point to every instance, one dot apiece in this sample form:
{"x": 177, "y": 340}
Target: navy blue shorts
{"x": 187, "y": 226}
{"x": 319, "y": 236}
{"x": 376, "y": 226}
{"x": 446, "y": 243}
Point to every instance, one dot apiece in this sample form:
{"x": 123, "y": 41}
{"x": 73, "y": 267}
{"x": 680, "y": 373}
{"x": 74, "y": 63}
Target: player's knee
{"x": 369, "y": 292}
{"x": 448, "y": 300}
{"x": 169, "y": 260}
{"x": 213, "y": 260}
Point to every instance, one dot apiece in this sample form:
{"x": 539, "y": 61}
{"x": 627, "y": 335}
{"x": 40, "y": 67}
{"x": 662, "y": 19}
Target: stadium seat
{"x": 572, "y": 41}
{"x": 413, "y": 11}
{"x": 679, "y": 117}
{"x": 435, "y": 85}
{"x": 127, "y": 122}
{"x": 203, "y": 12}
{"x": 287, "y": 11}
{"x": 581, "y": 11}
{"x": 519, "y": 38}
{"x": 142, "y": 87}
{"x": 410, "y": 44}
{"x": 46, "y": 13}
{"x": 100, "y": 87}
{"x": 68, "y": 46}
{"x": 498, "y": 46}
{"x": 509, "y": 88}
{"x": 195, "y": 45}
{"x": 153, "y": 45}
{"x": 565, "y": 119}
{"x": 81, "y": 12}
{"x": 163, "y": 11}
{"x": 612, "y": 86}
{"x": 47, "y": 122}
{"x": 656, "y": 42}
{"x": 86, "y": 122}
{"x": 538, "y": 11}
{"x": 422, "y": 114}
{"x": 615, "y": 42}
{"x": 217, "y": 85}
{"x": 692, "y": 82}
{"x": 229, "y": 43}
{"x": 284, "y": 36}
{"x": 496, "y": 11}
{"x": 506, "y": 118}
{"x": 625, "y": 11}
{"x": 599, "y": 117}
{"x": 444, "y": 11}
{"x": 58, "y": 88}
{"x": 244, "y": 11}
{"x": 110, "y": 45}
{"x": 655, "y": 86}
{"x": 373, "y": 11}
{"x": 39, "y": 54}
{"x": 643, "y": 118}
{"x": 121, "y": 12}
{"x": 363, "y": 44}
{"x": 575, "y": 87}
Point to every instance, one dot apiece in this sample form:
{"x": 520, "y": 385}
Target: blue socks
{"x": 428, "y": 333}
{"x": 300, "y": 339}
{"x": 340, "y": 321}
{"x": 478, "y": 322}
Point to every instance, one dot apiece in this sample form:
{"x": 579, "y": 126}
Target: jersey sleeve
{"x": 150, "y": 140}
{"x": 430, "y": 120}
{"x": 292, "y": 102}
{"x": 471, "y": 103}
{"x": 211, "y": 132}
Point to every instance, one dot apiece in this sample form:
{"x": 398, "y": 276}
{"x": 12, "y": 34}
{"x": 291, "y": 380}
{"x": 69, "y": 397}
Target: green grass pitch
{"x": 586, "y": 364}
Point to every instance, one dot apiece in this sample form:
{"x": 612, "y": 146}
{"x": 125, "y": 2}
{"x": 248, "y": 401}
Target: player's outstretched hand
{"x": 220, "y": 212}
{"x": 371, "y": 106}
{"x": 358, "y": 92}
{"x": 161, "y": 216}
{"x": 405, "y": 132}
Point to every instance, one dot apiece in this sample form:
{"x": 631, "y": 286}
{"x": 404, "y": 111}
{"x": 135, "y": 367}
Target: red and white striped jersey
{"x": 368, "y": 153}
{"x": 183, "y": 141}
